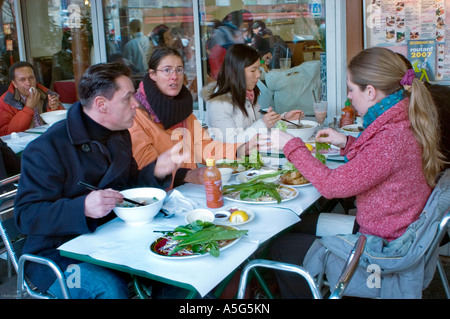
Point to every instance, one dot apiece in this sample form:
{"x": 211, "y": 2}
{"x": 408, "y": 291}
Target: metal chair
{"x": 14, "y": 241}
{"x": 428, "y": 233}
{"x": 442, "y": 230}
{"x": 346, "y": 276}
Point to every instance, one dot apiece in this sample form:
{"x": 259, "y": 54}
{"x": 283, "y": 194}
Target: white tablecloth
{"x": 129, "y": 246}
{"x": 121, "y": 244}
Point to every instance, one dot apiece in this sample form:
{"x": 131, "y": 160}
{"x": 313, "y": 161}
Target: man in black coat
{"x": 92, "y": 145}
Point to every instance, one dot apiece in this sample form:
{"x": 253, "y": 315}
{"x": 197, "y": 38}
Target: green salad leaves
{"x": 204, "y": 237}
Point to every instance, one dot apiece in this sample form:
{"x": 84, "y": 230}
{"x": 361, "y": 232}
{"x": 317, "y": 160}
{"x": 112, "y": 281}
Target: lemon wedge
{"x": 238, "y": 216}
{"x": 309, "y": 147}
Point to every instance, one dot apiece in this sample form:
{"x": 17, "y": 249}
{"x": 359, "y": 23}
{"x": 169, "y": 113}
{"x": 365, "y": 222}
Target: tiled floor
{"x": 8, "y": 284}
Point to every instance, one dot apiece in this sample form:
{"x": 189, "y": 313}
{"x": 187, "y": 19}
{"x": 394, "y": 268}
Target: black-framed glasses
{"x": 168, "y": 71}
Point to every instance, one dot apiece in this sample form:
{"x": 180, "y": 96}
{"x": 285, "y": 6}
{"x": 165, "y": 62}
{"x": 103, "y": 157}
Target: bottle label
{"x": 213, "y": 190}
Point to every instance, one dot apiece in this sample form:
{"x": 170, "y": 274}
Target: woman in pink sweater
{"x": 392, "y": 165}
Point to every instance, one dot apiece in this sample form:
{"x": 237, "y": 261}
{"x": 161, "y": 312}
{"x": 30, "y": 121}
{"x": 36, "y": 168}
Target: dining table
{"x": 127, "y": 248}
{"x": 17, "y": 141}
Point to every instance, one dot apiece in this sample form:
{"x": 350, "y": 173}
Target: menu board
{"x": 409, "y": 26}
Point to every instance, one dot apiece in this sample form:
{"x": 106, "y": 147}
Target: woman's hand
{"x": 271, "y": 118}
{"x": 331, "y": 136}
{"x": 294, "y": 115}
{"x": 274, "y": 141}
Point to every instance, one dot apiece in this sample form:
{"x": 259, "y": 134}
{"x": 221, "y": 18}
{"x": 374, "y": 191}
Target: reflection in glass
{"x": 9, "y": 50}
{"x": 295, "y": 31}
{"x": 162, "y": 23}
{"x": 61, "y": 45}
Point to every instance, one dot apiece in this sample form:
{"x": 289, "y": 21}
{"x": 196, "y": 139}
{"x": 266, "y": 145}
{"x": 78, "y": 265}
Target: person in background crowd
{"x": 92, "y": 145}
{"x": 137, "y": 50}
{"x": 25, "y": 100}
{"x": 231, "y": 31}
{"x": 232, "y": 101}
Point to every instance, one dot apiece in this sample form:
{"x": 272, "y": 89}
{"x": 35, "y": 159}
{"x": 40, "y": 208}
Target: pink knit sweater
{"x": 384, "y": 172}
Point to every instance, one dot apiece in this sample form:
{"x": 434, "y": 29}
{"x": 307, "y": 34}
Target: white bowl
{"x": 351, "y": 129}
{"x": 140, "y": 214}
{"x": 305, "y": 132}
{"x": 199, "y": 214}
{"x": 54, "y": 116}
{"x": 225, "y": 172}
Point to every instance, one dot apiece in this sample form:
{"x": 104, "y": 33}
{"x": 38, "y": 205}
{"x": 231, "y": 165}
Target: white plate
{"x": 226, "y": 222}
{"x": 248, "y": 175}
{"x": 190, "y": 256}
{"x": 296, "y": 186}
{"x": 332, "y": 151}
{"x": 224, "y": 161}
{"x": 293, "y": 193}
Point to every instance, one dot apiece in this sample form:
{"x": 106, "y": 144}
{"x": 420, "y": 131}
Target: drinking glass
{"x": 285, "y": 63}
{"x": 320, "y": 111}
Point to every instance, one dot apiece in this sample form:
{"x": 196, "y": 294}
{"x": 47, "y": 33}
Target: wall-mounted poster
{"x": 394, "y": 24}
{"x": 421, "y": 54}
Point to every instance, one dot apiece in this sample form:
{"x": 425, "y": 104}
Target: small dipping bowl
{"x": 199, "y": 214}
{"x": 222, "y": 216}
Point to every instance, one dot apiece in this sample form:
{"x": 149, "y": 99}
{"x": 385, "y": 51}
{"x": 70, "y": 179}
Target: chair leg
{"x": 443, "y": 278}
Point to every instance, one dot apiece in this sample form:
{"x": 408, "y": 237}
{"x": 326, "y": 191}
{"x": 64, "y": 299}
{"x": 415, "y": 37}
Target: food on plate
{"x": 309, "y": 147}
{"x": 293, "y": 178}
{"x": 254, "y": 160}
{"x": 270, "y": 176}
{"x": 238, "y": 216}
{"x": 351, "y": 129}
{"x": 142, "y": 201}
{"x": 294, "y": 127}
{"x": 196, "y": 238}
{"x": 258, "y": 191}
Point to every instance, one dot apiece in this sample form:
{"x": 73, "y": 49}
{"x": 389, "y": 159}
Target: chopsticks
{"x": 93, "y": 188}
{"x": 299, "y": 125}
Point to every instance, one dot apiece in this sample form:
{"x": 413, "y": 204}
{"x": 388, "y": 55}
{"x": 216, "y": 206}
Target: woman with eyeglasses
{"x": 165, "y": 118}
{"x": 232, "y": 102}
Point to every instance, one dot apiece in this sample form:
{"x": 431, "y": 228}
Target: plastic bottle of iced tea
{"x": 213, "y": 184}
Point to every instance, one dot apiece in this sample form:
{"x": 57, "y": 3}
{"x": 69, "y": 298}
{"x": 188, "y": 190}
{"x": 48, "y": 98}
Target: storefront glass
{"x": 60, "y": 46}
{"x": 135, "y": 28}
{"x": 277, "y": 30}
{"x": 9, "y": 50}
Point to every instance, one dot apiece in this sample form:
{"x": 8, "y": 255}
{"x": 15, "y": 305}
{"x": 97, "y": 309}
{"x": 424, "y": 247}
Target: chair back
{"x": 11, "y": 236}
{"x": 14, "y": 241}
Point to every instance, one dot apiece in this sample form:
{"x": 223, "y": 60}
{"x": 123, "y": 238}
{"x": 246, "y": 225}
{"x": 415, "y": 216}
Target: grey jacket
{"x": 388, "y": 270}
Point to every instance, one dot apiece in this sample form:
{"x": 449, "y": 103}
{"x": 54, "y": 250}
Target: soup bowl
{"x": 132, "y": 214}
{"x": 304, "y": 132}
{"x": 54, "y": 116}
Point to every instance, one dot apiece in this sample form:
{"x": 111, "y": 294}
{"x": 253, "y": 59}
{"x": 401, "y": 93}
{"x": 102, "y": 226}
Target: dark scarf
{"x": 169, "y": 111}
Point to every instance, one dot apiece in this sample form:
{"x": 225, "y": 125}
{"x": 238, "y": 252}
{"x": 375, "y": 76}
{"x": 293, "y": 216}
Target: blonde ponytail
{"x": 424, "y": 117}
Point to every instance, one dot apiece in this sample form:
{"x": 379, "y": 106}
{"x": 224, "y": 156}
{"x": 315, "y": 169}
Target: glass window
{"x": 134, "y": 28}
{"x": 292, "y": 29}
{"x": 59, "y": 47}
{"x": 9, "y": 50}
